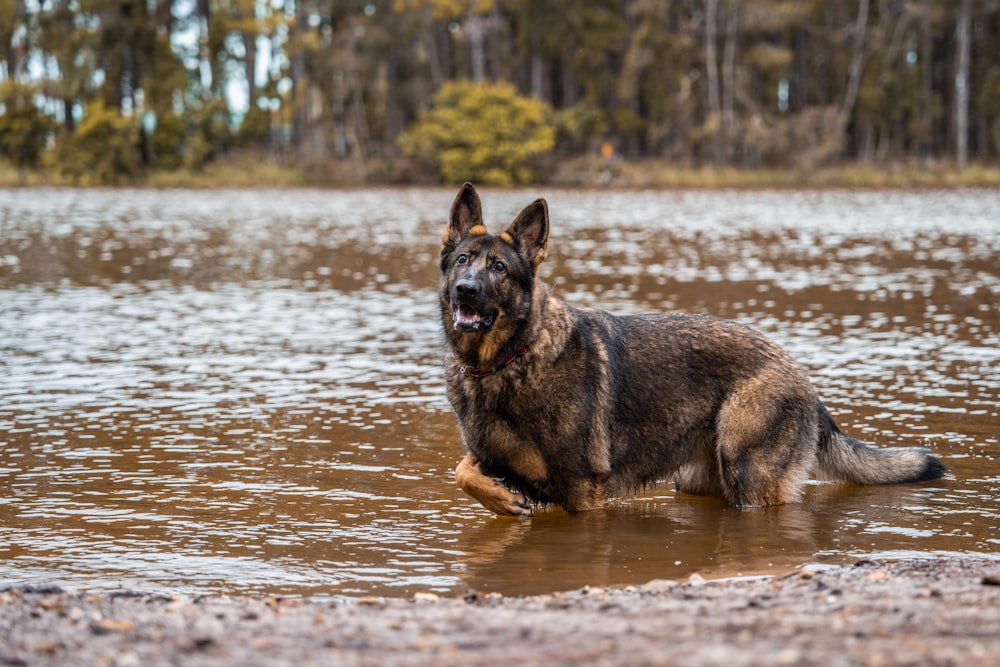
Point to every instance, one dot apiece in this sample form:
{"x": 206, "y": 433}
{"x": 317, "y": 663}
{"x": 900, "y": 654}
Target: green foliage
{"x": 23, "y": 128}
{"x": 770, "y": 62}
{"x": 989, "y": 100}
{"x": 167, "y": 141}
{"x": 482, "y": 132}
{"x": 210, "y": 135}
{"x": 253, "y": 129}
{"x": 580, "y": 124}
{"x": 104, "y": 150}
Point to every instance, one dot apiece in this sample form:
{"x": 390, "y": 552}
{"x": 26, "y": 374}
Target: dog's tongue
{"x": 466, "y": 317}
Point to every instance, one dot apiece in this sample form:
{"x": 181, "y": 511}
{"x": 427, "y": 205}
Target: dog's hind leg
{"x": 493, "y": 495}
{"x": 767, "y": 437}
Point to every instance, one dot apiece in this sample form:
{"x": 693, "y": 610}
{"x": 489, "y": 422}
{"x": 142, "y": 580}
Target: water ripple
{"x": 241, "y": 391}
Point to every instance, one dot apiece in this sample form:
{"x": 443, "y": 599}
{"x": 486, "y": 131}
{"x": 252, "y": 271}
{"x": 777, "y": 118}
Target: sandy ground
{"x": 915, "y": 612}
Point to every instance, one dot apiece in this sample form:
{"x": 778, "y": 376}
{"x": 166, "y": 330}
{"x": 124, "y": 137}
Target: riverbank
{"x": 927, "y": 612}
{"x": 252, "y": 171}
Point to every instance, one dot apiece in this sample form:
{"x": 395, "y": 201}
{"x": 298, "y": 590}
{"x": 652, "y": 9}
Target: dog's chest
{"x": 505, "y": 426}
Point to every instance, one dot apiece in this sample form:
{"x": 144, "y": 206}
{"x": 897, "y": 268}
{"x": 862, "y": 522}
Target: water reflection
{"x": 238, "y": 391}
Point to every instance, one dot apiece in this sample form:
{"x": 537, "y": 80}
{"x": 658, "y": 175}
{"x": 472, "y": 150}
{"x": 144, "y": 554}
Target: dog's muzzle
{"x": 467, "y": 319}
{"x": 470, "y": 313}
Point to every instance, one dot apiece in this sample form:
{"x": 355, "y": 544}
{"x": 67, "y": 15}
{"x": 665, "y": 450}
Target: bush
{"x": 253, "y": 130}
{"x": 104, "y": 149}
{"x": 167, "y": 141}
{"x": 23, "y": 128}
{"x": 209, "y": 135}
{"x": 482, "y": 132}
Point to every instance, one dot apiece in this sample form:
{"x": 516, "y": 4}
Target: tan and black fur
{"x": 572, "y": 406}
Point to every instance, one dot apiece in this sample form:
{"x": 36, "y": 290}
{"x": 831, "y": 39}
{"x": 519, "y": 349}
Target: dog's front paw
{"x": 490, "y": 492}
{"x": 507, "y": 503}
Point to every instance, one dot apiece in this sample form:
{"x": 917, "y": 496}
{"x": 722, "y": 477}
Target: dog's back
{"x": 716, "y": 403}
{"x": 728, "y": 413}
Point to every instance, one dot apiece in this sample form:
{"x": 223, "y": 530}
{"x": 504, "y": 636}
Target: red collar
{"x": 507, "y": 361}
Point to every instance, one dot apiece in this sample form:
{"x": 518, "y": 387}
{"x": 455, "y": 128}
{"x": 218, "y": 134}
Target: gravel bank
{"x": 926, "y": 612}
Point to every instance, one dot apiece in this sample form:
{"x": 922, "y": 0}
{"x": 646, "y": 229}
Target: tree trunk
{"x": 962, "y": 86}
{"x": 496, "y": 47}
{"x": 729, "y": 77}
{"x": 927, "y": 80}
{"x": 68, "y": 112}
{"x": 393, "y": 112}
{"x": 568, "y": 81}
{"x": 300, "y": 88}
{"x": 538, "y": 77}
{"x": 205, "y": 52}
{"x": 250, "y": 66}
{"x": 477, "y": 49}
{"x": 434, "y": 59}
{"x": 854, "y": 73}
{"x": 712, "y": 74}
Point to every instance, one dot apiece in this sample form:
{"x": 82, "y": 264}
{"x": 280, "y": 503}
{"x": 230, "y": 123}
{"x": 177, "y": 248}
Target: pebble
{"x": 422, "y": 596}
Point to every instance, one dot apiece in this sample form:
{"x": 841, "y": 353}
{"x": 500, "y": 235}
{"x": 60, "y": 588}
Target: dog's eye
{"x": 499, "y": 267}
{"x": 462, "y": 260}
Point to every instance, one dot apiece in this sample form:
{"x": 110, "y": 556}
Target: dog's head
{"x": 487, "y": 281}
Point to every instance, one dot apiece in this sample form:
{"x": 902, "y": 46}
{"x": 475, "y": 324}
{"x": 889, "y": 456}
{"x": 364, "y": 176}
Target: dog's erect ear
{"x": 529, "y": 233}
{"x": 466, "y": 213}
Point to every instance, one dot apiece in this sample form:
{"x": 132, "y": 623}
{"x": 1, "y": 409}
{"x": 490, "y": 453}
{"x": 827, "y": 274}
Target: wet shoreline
{"x": 916, "y": 611}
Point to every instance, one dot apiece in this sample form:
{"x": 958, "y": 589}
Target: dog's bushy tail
{"x": 845, "y": 459}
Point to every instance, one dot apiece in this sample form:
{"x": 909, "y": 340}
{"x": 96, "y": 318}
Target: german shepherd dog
{"x": 571, "y": 406}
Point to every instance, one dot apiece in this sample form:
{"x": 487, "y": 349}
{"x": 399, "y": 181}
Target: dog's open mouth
{"x": 467, "y": 319}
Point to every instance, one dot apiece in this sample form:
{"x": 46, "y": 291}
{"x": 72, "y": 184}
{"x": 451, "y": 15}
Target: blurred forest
{"x": 104, "y": 91}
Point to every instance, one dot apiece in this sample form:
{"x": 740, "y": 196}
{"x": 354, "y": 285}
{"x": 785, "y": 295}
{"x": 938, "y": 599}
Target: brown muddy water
{"x": 240, "y": 392}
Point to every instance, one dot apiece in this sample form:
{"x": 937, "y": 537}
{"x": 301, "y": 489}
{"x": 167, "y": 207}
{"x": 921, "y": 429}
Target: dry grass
{"x": 659, "y": 174}
{"x": 249, "y": 171}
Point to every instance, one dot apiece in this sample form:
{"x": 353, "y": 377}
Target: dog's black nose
{"x": 468, "y": 287}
